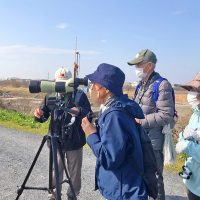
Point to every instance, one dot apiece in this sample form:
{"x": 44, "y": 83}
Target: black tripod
{"x": 54, "y": 148}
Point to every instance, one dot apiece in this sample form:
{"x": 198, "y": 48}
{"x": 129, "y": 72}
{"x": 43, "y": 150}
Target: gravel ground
{"x": 17, "y": 151}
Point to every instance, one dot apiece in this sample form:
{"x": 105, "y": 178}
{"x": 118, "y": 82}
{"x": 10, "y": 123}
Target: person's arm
{"x": 193, "y": 150}
{"x": 110, "y": 148}
{"x": 165, "y": 108}
{"x": 189, "y": 147}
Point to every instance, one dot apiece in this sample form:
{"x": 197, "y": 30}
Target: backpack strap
{"x": 137, "y": 89}
{"x": 155, "y": 91}
{"x": 156, "y": 86}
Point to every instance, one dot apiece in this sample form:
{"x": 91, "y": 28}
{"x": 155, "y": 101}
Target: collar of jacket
{"x": 154, "y": 76}
{"x": 107, "y": 104}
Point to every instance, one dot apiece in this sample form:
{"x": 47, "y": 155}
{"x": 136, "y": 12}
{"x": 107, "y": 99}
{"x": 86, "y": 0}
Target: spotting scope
{"x": 61, "y": 86}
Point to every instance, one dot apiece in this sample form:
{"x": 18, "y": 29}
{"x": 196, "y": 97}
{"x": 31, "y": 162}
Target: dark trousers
{"x": 160, "y": 164}
{"x": 192, "y": 196}
{"x": 74, "y": 164}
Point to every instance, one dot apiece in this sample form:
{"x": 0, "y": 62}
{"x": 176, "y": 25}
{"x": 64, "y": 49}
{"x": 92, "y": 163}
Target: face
{"x": 98, "y": 93}
{"x": 146, "y": 66}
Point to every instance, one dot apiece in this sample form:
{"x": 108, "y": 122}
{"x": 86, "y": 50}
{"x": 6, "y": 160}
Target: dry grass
{"x": 181, "y": 97}
{"x": 20, "y": 92}
{"x": 18, "y": 88}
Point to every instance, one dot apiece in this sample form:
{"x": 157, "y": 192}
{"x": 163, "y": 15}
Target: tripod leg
{"x": 50, "y": 168}
{"x": 66, "y": 172}
{"x": 21, "y": 188}
{"x": 54, "y": 144}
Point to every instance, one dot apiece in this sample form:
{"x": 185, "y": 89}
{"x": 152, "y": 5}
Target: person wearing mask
{"x": 157, "y": 113}
{"x": 115, "y": 139}
{"x": 72, "y": 144}
{"x": 189, "y": 142}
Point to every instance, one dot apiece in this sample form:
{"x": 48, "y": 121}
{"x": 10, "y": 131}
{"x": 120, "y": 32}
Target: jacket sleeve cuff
{"x": 41, "y": 119}
{"x": 94, "y": 142}
{"x": 93, "y": 139}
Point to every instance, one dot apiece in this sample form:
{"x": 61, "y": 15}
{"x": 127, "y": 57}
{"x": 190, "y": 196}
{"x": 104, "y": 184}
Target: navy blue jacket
{"x": 116, "y": 145}
{"x": 75, "y": 138}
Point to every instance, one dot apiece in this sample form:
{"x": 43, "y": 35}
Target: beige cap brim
{"x": 135, "y": 61}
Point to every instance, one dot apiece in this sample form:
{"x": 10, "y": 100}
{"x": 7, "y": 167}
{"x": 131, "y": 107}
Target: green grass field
{"x": 22, "y": 122}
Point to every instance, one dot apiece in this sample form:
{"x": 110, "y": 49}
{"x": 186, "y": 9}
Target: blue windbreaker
{"x": 116, "y": 145}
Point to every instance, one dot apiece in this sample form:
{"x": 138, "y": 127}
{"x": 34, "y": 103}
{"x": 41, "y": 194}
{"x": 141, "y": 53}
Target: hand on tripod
{"x": 38, "y": 113}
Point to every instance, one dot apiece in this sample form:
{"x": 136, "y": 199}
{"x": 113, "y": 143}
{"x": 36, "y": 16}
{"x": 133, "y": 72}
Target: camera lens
{"x": 34, "y": 86}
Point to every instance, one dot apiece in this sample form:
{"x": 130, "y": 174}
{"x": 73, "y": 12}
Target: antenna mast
{"x": 76, "y": 61}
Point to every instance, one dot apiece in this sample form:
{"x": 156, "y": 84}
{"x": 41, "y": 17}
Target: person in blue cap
{"x": 114, "y": 139}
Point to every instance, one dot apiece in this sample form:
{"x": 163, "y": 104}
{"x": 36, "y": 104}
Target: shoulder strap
{"x": 78, "y": 96}
{"x": 137, "y": 89}
{"x": 155, "y": 91}
{"x": 156, "y": 86}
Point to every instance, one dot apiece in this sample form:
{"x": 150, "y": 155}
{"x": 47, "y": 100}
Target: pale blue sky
{"x": 38, "y": 36}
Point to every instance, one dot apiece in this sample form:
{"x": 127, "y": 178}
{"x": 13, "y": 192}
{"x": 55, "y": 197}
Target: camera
{"x": 185, "y": 173}
{"x": 64, "y": 86}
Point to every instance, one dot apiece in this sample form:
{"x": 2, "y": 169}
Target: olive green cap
{"x": 143, "y": 56}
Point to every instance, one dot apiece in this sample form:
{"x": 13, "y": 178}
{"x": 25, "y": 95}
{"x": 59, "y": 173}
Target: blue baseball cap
{"x": 110, "y": 77}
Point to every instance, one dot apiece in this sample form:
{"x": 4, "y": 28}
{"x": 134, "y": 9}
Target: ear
{"x": 149, "y": 68}
{"x": 152, "y": 66}
{"x": 107, "y": 91}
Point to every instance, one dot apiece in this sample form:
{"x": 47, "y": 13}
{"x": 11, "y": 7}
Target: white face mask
{"x": 192, "y": 99}
{"x": 140, "y": 73}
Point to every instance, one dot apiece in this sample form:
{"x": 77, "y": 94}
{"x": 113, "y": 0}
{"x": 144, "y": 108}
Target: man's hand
{"x": 138, "y": 121}
{"x": 87, "y": 127}
{"x": 38, "y": 113}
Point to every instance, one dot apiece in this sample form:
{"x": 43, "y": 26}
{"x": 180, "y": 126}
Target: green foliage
{"x": 177, "y": 167}
{"x": 23, "y": 122}
{"x": 180, "y": 160}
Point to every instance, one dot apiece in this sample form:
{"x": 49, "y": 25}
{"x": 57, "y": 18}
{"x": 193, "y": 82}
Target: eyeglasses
{"x": 95, "y": 86}
{"x": 139, "y": 65}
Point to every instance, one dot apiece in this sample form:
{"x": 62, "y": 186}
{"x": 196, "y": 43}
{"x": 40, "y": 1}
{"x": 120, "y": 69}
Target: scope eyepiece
{"x": 80, "y": 81}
